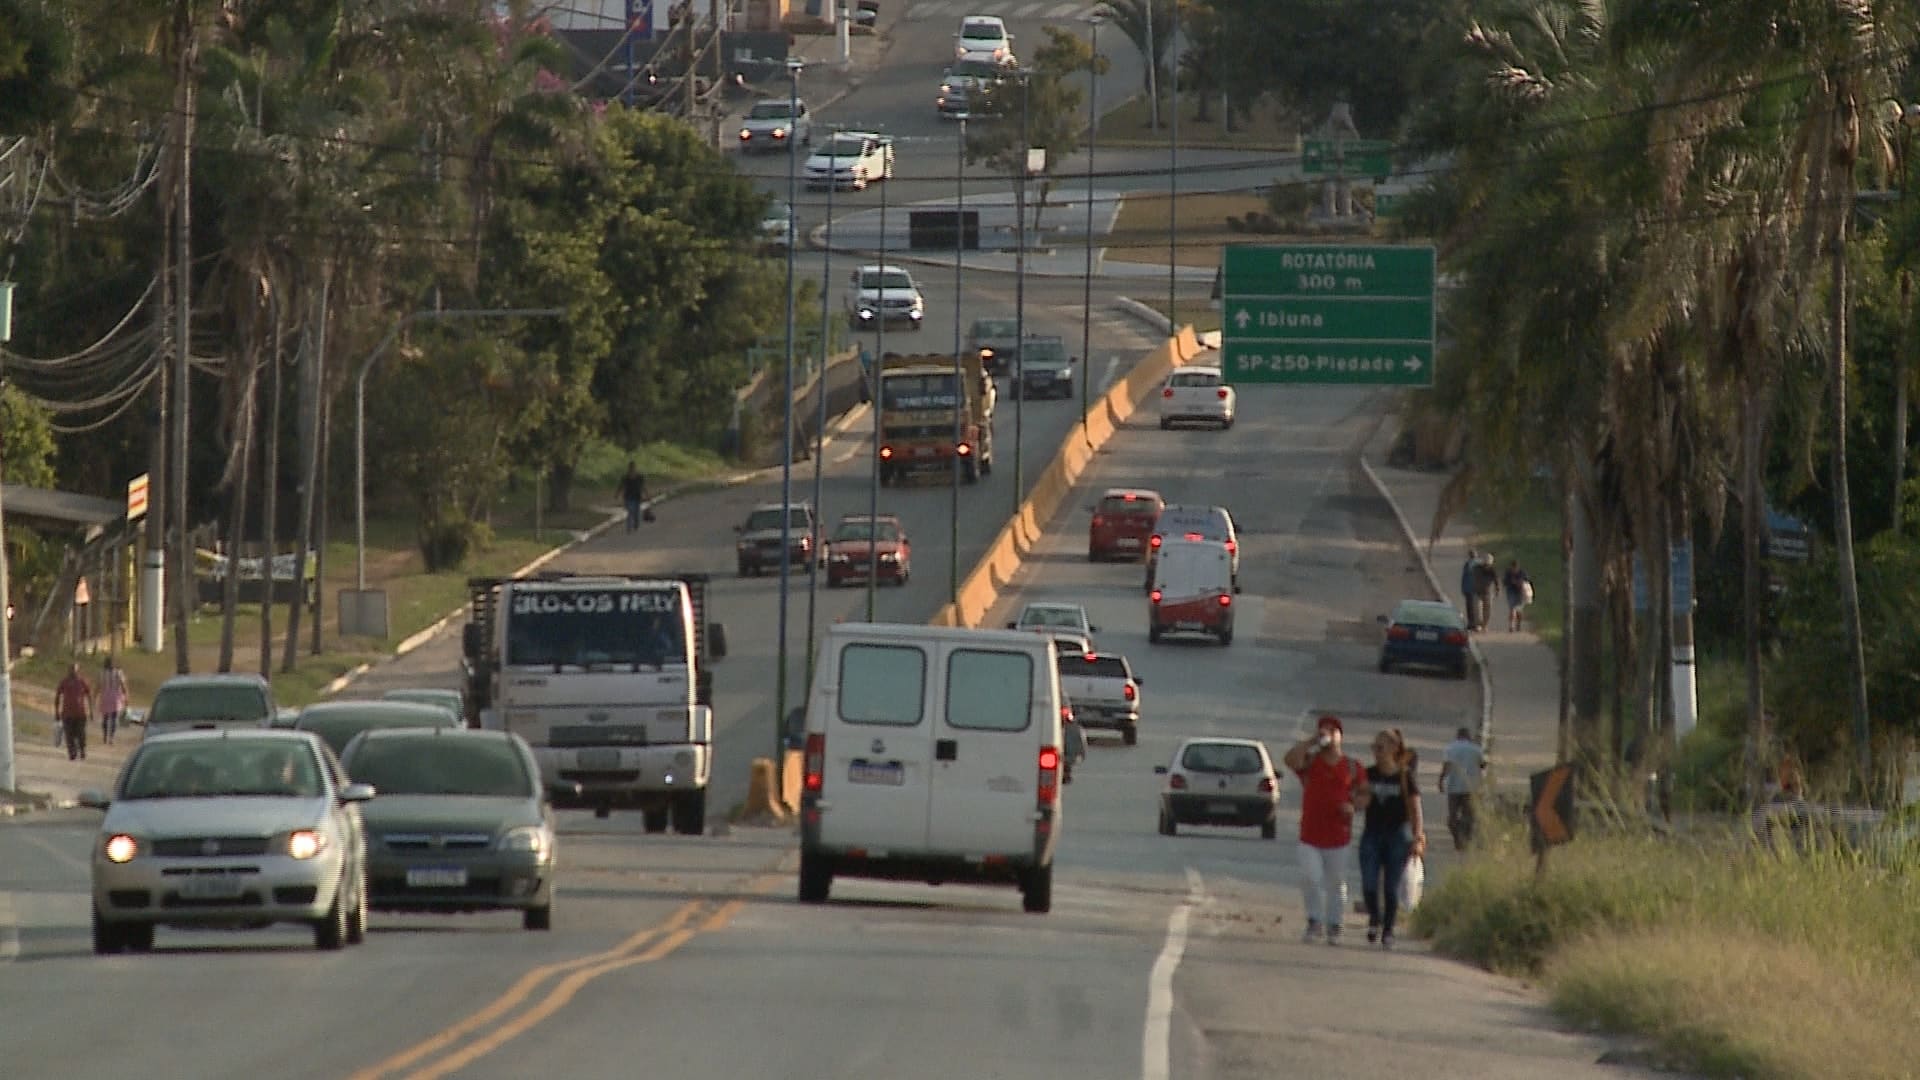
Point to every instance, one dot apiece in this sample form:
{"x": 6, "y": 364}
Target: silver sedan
{"x": 232, "y": 828}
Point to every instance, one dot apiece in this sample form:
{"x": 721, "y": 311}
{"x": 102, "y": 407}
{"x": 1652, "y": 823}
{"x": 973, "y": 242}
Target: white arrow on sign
{"x": 1241, "y": 318}
{"x": 1413, "y": 363}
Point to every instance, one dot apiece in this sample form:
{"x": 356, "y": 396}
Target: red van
{"x": 1122, "y": 521}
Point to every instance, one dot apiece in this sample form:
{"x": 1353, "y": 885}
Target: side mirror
{"x": 1138, "y": 681}
{"x": 1159, "y": 770}
{"x": 471, "y": 643}
{"x": 564, "y": 790}
{"x": 1381, "y": 619}
{"x": 1013, "y": 625}
{"x": 1092, "y": 629}
{"x": 94, "y": 800}
{"x": 356, "y": 793}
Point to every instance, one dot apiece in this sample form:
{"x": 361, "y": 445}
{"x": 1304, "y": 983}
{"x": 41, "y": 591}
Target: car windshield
{"x": 1043, "y": 350}
{"x": 185, "y": 704}
{"x": 1428, "y": 613}
{"x": 983, "y": 32}
{"x": 419, "y": 765}
{"x": 840, "y": 147}
{"x": 771, "y": 110}
{"x": 1220, "y": 758}
{"x": 1126, "y": 504}
{"x": 337, "y": 727}
{"x": 779, "y": 212}
{"x": 891, "y": 279}
{"x": 197, "y": 768}
{"x": 1195, "y": 378}
{"x": 767, "y": 520}
{"x": 1051, "y": 617}
{"x": 995, "y": 328}
{"x": 901, "y": 392}
{"x": 597, "y": 628}
{"x": 866, "y": 530}
{"x": 1104, "y": 667}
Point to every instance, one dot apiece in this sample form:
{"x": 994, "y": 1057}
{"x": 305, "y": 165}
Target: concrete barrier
{"x": 995, "y": 571}
{"x": 793, "y": 771}
{"x": 762, "y": 806}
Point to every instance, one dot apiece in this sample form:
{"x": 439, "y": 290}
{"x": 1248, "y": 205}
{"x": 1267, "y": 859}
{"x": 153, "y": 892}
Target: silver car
{"x": 231, "y": 829}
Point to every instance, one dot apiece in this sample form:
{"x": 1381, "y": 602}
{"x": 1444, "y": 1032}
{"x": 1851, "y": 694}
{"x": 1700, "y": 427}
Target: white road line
{"x": 60, "y": 854}
{"x": 1156, "y": 1042}
{"x": 1064, "y": 10}
{"x": 9, "y": 929}
{"x": 1026, "y": 11}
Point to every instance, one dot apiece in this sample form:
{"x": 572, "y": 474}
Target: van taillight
{"x": 1232, "y": 547}
{"x": 886, "y": 453}
{"x": 1167, "y": 393}
{"x": 1130, "y": 692}
{"x": 1154, "y": 596}
{"x": 963, "y": 449}
{"x": 1226, "y": 600}
{"x": 1195, "y": 536}
{"x": 816, "y": 761}
{"x": 1155, "y": 542}
{"x": 1049, "y": 788}
{"x": 1221, "y": 393}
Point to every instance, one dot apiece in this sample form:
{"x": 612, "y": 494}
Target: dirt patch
{"x": 1199, "y": 221}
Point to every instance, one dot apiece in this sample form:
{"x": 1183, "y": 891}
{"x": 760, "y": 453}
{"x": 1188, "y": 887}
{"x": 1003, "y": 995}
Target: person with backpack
{"x": 1393, "y": 832}
{"x": 1330, "y": 784}
{"x": 73, "y": 708}
{"x": 113, "y": 700}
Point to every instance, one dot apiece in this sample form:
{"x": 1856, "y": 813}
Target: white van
{"x": 932, "y": 754}
{"x": 1191, "y": 590}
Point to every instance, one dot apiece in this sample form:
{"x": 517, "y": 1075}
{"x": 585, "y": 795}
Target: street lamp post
{"x": 1173, "y": 166}
{"x": 959, "y": 390}
{"x": 820, "y": 400}
{"x": 1086, "y": 299}
{"x": 360, "y": 409}
{"x": 873, "y": 403}
{"x": 7, "y": 778}
{"x": 1020, "y": 293}
{"x": 794, "y": 67}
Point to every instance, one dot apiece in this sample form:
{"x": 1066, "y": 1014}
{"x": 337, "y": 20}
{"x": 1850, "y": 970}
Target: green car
{"x": 431, "y": 695}
{"x": 337, "y": 722}
{"x": 464, "y": 823}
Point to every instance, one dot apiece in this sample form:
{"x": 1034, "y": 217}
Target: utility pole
{"x": 1086, "y": 297}
{"x": 820, "y": 420}
{"x": 1173, "y": 169}
{"x": 183, "y": 577}
{"x": 873, "y": 399}
{"x": 1019, "y": 294}
{"x": 959, "y": 378}
{"x": 7, "y": 777}
{"x": 794, "y": 67}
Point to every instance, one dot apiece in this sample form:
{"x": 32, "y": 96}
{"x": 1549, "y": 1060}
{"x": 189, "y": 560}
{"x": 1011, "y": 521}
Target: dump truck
{"x": 606, "y": 677}
{"x": 916, "y": 411}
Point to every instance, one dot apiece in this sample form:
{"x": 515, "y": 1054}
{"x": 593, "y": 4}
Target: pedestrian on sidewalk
{"x": 1330, "y": 782}
{"x": 73, "y": 706}
{"x": 1462, "y": 765}
{"x": 1393, "y": 832}
{"x": 1486, "y": 579}
{"x": 1519, "y": 594}
{"x": 633, "y": 492}
{"x": 113, "y": 700}
{"x": 1468, "y": 598}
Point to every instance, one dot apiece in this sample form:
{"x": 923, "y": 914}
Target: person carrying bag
{"x": 1393, "y": 835}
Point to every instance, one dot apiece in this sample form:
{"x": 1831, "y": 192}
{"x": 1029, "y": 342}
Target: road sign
{"x": 1353, "y": 157}
{"x": 1552, "y": 806}
{"x": 1328, "y": 314}
{"x": 137, "y": 497}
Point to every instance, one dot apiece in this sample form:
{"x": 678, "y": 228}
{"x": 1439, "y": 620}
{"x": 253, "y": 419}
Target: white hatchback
{"x": 1197, "y": 395}
{"x": 983, "y": 37}
{"x": 1220, "y": 781}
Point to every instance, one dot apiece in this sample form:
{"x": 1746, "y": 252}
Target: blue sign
{"x": 1682, "y": 571}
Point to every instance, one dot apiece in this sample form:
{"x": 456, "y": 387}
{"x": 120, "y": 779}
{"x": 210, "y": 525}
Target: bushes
{"x": 446, "y": 540}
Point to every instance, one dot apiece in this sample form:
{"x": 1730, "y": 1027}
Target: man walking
{"x": 1461, "y": 766}
{"x": 73, "y": 707}
{"x": 633, "y": 492}
{"x": 1329, "y": 783}
{"x": 1468, "y": 604}
{"x": 1486, "y": 580}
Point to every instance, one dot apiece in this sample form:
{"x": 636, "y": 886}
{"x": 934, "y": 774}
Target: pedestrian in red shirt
{"x": 73, "y": 707}
{"x": 1330, "y": 782}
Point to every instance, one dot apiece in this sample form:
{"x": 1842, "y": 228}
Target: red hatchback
{"x": 1122, "y": 521}
{"x": 860, "y": 543}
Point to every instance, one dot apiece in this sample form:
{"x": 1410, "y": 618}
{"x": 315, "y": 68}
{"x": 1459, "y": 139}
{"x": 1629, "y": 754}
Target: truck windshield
{"x": 598, "y": 628}
{"x": 918, "y": 392}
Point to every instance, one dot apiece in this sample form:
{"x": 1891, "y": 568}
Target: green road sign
{"x": 1328, "y": 313}
{"x": 1354, "y": 157}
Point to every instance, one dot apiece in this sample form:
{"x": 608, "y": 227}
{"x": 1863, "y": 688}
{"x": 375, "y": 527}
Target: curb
{"x": 1439, "y": 593}
{"x": 1145, "y": 314}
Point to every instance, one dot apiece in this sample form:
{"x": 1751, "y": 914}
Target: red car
{"x": 859, "y": 542}
{"x": 1122, "y": 521}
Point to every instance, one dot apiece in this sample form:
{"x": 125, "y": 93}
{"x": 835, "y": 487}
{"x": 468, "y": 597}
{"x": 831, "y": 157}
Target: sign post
{"x": 1550, "y": 811}
{"x": 1328, "y": 314}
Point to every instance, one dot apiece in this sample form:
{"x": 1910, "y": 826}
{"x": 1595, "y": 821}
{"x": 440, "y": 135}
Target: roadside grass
{"x": 1129, "y": 124}
{"x": 1200, "y": 220}
{"x": 415, "y": 599}
{"x": 1729, "y": 960}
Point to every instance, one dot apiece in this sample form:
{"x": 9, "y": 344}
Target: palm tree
{"x": 1149, "y": 25}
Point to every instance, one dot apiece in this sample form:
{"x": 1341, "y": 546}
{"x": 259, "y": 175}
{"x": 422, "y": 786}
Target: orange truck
{"x": 916, "y": 411}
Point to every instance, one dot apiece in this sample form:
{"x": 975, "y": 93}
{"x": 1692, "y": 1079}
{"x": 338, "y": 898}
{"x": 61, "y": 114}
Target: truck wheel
{"x": 886, "y": 477}
{"x": 1269, "y": 829}
{"x": 1130, "y": 736}
{"x": 744, "y": 569}
{"x": 538, "y": 918}
{"x": 690, "y": 813}
{"x": 1226, "y": 636}
{"x": 986, "y": 465}
{"x": 1153, "y": 634}
{"x": 816, "y": 878}
{"x": 1036, "y": 890}
{"x": 108, "y": 938}
{"x": 1167, "y": 827}
{"x": 654, "y": 819}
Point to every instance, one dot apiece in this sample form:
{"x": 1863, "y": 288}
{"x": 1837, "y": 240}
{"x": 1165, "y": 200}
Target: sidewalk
{"x": 1519, "y": 676}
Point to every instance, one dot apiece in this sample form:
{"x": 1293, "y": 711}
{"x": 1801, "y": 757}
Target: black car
{"x": 758, "y": 549}
{"x": 1045, "y": 369}
{"x": 1425, "y": 633}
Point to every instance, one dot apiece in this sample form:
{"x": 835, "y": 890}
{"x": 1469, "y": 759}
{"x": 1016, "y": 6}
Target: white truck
{"x": 606, "y": 677}
{"x": 1104, "y": 691}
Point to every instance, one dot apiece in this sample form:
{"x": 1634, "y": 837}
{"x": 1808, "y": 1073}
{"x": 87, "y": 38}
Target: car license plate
{"x": 1189, "y": 625}
{"x": 212, "y": 887}
{"x": 437, "y": 877}
{"x": 1427, "y": 635}
{"x": 1127, "y": 541}
{"x": 866, "y": 772}
{"x": 923, "y": 451}
{"x": 1222, "y": 808}
{"x": 600, "y": 759}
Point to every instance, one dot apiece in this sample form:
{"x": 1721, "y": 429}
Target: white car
{"x": 1197, "y": 395}
{"x": 774, "y": 226}
{"x": 1052, "y": 618}
{"x": 851, "y": 159}
{"x": 775, "y": 124}
{"x": 983, "y": 37}
{"x": 877, "y": 294}
{"x": 1220, "y": 781}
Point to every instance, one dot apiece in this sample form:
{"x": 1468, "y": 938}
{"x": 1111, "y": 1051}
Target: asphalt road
{"x": 1163, "y": 957}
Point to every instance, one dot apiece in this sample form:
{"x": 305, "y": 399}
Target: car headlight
{"x": 528, "y": 838}
{"x": 121, "y": 848}
{"x": 745, "y": 134}
{"x": 779, "y": 133}
{"x": 889, "y": 557}
{"x": 866, "y": 313}
{"x": 306, "y": 843}
{"x": 743, "y": 545}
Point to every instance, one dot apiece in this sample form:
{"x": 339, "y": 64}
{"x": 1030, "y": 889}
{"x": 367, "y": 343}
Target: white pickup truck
{"x": 1104, "y": 691}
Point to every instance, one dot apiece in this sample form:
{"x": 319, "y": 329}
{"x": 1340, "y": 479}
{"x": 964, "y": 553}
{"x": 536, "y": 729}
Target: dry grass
{"x": 1268, "y": 128}
{"x": 1200, "y": 221}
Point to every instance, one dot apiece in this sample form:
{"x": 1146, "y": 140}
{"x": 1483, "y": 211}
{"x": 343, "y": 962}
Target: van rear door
{"x": 877, "y": 764}
{"x": 1000, "y": 710}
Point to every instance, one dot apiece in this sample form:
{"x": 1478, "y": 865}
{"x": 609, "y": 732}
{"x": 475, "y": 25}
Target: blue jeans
{"x": 1383, "y": 859}
{"x": 633, "y": 515}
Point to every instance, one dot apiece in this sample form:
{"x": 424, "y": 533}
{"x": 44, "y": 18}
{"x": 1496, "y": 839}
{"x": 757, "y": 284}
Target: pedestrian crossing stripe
{"x": 1010, "y": 10}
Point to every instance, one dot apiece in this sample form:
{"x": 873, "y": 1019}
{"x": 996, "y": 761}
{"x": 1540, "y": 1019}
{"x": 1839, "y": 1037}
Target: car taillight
{"x": 1098, "y": 521}
{"x": 1177, "y": 782}
{"x": 1226, "y": 599}
{"x": 1129, "y": 692}
{"x": 1221, "y": 393}
{"x": 1066, "y": 714}
{"x": 1167, "y": 393}
{"x": 1155, "y": 542}
{"x": 963, "y": 449}
{"x": 1128, "y": 498}
{"x": 1398, "y": 633}
{"x": 886, "y": 453}
{"x": 1266, "y": 785}
{"x": 1049, "y": 787}
{"x": 816, "y": 761}
{"x": 1154, "y": 596}
{"x": 1232, "y": 547}
{"x": 1455, "y": 637}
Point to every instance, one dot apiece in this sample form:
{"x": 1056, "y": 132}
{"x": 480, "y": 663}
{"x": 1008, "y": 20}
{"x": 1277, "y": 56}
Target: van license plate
{"x": 866, "y": 772}
{"x": 212, "y": 887}
{"x": 1222, "y": 808}
{"x": 600, "y": 759}
{"x": 436, "y": 877}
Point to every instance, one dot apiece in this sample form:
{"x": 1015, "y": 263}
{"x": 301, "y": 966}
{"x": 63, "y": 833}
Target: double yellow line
{"x": 503, "y": 1019}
